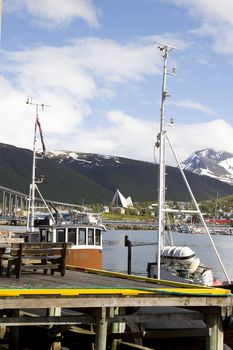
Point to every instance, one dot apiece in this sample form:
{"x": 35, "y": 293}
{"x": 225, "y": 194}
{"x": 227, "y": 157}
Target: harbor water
{"x": 115, "y": 253}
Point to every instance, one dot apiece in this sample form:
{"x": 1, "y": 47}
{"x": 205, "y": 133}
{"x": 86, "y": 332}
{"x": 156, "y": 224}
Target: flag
{"x": 41, "y": 134}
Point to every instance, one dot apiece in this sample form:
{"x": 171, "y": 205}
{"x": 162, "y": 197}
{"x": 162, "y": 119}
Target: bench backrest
{"x": 14, "y": 250}
{"x": 39, "y": 249}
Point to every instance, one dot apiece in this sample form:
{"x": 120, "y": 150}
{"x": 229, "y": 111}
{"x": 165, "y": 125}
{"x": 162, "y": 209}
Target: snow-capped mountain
{"x": 75, "y": 177}
{"x": 218, "y": 165}
{"x": 84, "y": 160}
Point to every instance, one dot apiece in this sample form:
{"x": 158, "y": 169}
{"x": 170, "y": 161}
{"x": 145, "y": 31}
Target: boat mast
{"x": 31, "y": 217}
{"x": 33, "y": 185}
{"x": 161, "y": 143}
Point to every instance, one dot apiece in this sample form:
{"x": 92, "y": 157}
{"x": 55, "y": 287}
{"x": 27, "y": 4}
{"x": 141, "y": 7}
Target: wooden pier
{"x": 103, "y": 308}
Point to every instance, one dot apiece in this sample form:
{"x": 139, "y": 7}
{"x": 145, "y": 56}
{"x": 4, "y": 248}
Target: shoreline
{"x": 130, "y": 226}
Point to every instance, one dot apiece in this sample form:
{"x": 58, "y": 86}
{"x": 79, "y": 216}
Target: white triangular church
{"x": 120, "y": 201}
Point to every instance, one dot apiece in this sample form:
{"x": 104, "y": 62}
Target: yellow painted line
{"x": 84, "y": 291}
{"x": 149, "y": 279}
{"x": 196, "y": 291}
{"x": 113, "y": 291}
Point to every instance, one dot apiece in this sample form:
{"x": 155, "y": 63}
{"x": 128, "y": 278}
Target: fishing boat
{"x": 86, "y": 239}
{"x": 176, "y": 262}
{"x": 84, "y": 231}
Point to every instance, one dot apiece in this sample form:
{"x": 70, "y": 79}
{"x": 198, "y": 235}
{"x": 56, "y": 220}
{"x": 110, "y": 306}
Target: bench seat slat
{"x": 41, "y": 266}
{"x": 41, "y": 257}
{"x": 42, "y": 252}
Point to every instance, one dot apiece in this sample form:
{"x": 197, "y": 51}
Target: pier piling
{"x": 215, "y": 339}
{"x": 101, "y": 328}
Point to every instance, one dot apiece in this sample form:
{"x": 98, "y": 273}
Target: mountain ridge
{"x": 75, "y": 177}
{"x": 99, "y": 168}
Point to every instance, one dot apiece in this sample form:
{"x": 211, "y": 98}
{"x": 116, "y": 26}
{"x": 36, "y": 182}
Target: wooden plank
{"x": 162, "y": 333}
{"x": 41, "y": 245}
{"x": 137, "y": 318}
{"x": 131, "y": 346}
{"x": 46, "y": 320}
{"x": 142, "y": 279}
{"x": 46, "y": 301}
{"x": 41, "y": 266}
{"x": 155, "y": 334}
{"x": 42, "y": 251}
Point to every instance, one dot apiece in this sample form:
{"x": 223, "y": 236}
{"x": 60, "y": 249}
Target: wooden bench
{"x": 34, "y": 256}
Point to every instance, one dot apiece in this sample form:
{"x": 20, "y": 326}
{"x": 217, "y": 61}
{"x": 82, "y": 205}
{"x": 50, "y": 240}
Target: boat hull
{"x": 90, "y": 258}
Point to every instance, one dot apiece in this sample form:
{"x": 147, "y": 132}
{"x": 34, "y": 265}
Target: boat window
{"x": 91, "y": 236}
{"x": 98, "y": 236}
{"x": 45, "y": 235}
{"x": 42, "y": 235}
{"x": 60, "y": 235}
{"x": 82, "y": 236}
{"x": 49, "y": 236}
{"x": 71, "y": 235}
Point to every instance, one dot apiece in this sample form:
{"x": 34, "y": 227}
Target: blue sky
{"x": 94, "y": 62}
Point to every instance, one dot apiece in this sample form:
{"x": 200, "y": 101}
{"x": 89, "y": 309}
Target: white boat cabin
{"x": 80, "y": 236}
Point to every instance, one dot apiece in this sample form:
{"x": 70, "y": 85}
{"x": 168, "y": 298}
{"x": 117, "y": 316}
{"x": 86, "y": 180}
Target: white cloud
{"x": 56, "y": 13}
{"x": 134, "y": 138}
{"x": 210, "y": 10}
{"x": 215, "y": 19}
{"x": 124, "y": 136}
{"x": 69, "y": 79}
{"x": 115, "y": 61}
{"x": 194, "y": 105}
{"x": 120, "y": 134}
{"x": 15, "y": 122}
{"x": 76, "y": 67}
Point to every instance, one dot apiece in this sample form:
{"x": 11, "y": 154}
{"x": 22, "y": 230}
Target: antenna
{"x": 37, "y": 123}
{"x": 30, "y": 102}
{"x": 162, "y": 46}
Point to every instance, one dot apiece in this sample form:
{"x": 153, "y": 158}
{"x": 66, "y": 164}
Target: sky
{"x": 96, "y": 67}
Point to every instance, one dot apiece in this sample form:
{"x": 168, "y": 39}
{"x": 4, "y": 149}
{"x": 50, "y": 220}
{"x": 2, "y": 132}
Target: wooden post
{"x": 215, "y": 339}
{"x": 14, "y": 333}
{"x": 55, "y": 311}
{"x": 129, "y": 245}
{"x": 115, "y": 329}
{"x": 101, "y": 329}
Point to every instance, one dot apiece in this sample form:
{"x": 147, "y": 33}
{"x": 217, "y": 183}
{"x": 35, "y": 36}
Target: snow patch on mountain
{"x": 86, "y": 159}
{"x": 218, "y": 165}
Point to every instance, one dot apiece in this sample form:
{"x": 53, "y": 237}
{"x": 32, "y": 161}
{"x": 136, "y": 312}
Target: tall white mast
{"x": 161, "y": 142}
{"x": 33, "y": 186}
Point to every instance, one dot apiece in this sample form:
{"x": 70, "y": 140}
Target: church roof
{"x": 120, "y": 201}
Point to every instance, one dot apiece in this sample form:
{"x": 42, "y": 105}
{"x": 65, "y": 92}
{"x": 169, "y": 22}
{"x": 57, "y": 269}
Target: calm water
{"x": 115, "y": 253}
